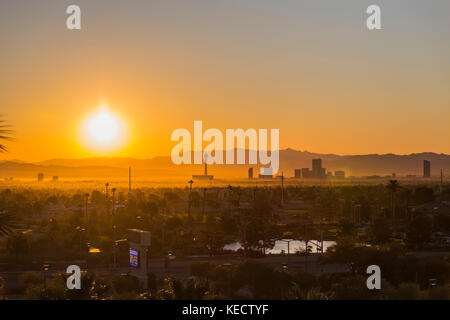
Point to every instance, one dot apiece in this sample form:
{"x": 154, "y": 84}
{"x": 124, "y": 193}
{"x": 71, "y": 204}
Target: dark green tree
{"x": 423, "y": 195}
{"x": 380, "y": 231}
{"x": 17, "y": 244}
{"x": 393, "y": 187}
{"x": 419, "y": 232}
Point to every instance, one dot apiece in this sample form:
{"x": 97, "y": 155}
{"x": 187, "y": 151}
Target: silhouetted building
{"x": 323, "y": 173}
{"x": 339, "y": 174}
{"x": 40, "y": 177}
{"x": 297, "y": 173}
{"x": 268, "y": 173}
{"x": 205, "y": 176}
{"x": 250, "y": 173}
{"x": 426, "y": 169}
{"x": 55, "y": 178}
{"x": 317, "y": 171}
{"x": 316, "y": 167}
{"x": 306, "y": 173}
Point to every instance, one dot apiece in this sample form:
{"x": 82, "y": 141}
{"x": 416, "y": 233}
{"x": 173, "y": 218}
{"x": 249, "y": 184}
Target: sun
{"x": 103, "y": 127}
{"x": 103, "y": 130}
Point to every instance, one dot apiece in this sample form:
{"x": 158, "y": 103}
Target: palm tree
{"x": 190, "y": 197}
{"x": 406, "y": 195}
{"x": 6, "y": 219}
{"x": 7, "y": 223}
{"x": 393, "y": 186}
{"x": 5, "y": 134}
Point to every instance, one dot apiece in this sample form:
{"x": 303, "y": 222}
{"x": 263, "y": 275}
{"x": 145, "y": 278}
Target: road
{"x": 179, "y": 267}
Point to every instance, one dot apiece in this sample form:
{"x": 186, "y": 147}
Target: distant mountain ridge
{"x": 290, "y": 159}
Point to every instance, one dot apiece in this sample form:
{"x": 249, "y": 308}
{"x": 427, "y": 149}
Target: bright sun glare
{"x": 104, "y": 130}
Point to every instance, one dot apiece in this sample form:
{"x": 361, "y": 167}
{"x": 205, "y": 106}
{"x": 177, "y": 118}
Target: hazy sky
{"x": 309, "y": 68}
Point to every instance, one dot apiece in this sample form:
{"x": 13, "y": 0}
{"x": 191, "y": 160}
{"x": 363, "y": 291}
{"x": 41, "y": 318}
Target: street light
{"x": 204, "y": 202}
{"x": 432, "y": 283}
{"x": 239, "y": 197}
{"x": 107, "y": 198}
{"x": 45, "y": 267}
{"x": 114, "y": 246}
{"x": 190, "y": 197}
{"x": 288, "y": 244}
{"x": 167, "y": 259}
{"x": 80, "y": 229}
{"x": 229, "y": 196}
{"x": 113, "y": 190}
{"x": 114, "y": 225}
{"x": 86, "y": 197}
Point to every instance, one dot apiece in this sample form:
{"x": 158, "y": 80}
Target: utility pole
{"x": 306, "y": 246}
{"x": 204, "y": 202}
{"x": 282, "y": 188}
{"x": 239, "y": 197}
{"x": 107, "y": 197}
{"x": 46, "y": 267}
{"x": 190, "y": 197}
{"x": 288, "y": 247}
{"x": 229, "y": 197}
{"x": 321, "y": 244}
{"x": 321, "y": 237}
{"x": 289, "y": 250}
{"x": 244, "y": 224}
{"x": 80, "y": 230}
{"x": 129, "y": 183}
{"x": 114, "y": 225}
{"x": 86, "y": 197}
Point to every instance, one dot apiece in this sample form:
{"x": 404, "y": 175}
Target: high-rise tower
{"x": 426, "y": 169}
{"x": 317, "y": 168}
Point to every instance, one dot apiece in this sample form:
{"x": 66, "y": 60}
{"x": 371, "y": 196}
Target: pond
{"x": 280, "y": 245}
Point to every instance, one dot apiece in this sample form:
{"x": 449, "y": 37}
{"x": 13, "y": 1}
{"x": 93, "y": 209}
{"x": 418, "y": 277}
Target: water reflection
{"x": 280, "y": 245}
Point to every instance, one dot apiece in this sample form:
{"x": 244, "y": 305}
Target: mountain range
{"x": 160, "y": 167}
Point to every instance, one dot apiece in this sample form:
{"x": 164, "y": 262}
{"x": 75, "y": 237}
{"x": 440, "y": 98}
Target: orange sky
{"x": 311, "y": 70}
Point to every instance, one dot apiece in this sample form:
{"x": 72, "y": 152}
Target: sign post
{"x": 139, "y": 241}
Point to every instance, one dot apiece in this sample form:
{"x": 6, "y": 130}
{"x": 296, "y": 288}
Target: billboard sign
{"x": 134, "y": 258}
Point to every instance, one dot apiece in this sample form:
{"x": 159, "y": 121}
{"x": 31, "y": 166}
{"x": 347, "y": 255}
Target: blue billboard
{"x": 134, "y": 258}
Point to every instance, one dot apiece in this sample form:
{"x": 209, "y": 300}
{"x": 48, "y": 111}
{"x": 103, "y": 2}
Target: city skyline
{"x": 291, "y": 161}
